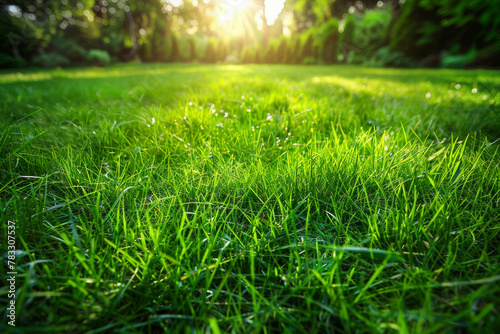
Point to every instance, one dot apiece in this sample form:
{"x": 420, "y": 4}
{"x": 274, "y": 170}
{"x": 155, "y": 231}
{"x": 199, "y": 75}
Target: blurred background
{"x": 396, "y": 33}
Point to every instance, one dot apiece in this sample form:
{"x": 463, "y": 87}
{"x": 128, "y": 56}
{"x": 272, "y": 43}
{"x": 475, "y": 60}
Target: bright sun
{"x": 235, "y": 16}
{"x": 272, "y": 9}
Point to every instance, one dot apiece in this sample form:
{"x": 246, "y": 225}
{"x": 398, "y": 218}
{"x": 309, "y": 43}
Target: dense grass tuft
{"x": 242, "y": 198}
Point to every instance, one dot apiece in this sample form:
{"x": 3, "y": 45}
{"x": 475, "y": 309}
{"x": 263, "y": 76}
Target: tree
{"x": 307, "y": 49}
{"x": 270, "y": 54}
{"x": 329, "y": 41}
{"x": 193, "y": 53}
{"x": 281, "y": 51}
{"x": 425, "y": 28}
{"x": 174, "y": 49}
{"x": 222, "y": 51}
{"x": 210, "y": 52}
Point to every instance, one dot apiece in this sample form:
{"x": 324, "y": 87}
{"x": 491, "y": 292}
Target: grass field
{"x": 211, "y": 199}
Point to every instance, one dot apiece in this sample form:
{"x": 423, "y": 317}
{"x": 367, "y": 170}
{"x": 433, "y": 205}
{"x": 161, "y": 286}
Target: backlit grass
{"x": 251, "y": 198}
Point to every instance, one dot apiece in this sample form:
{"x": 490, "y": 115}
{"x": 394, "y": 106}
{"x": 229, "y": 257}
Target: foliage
{"x": 51, "y": 59}
{"x": 329, "y": 37}
{"x": 6, "y": 60}
{"x": 307, "y": 51}
{"x": 259, "y": 59}
{"x": 445, "y": 26}
{"x": 247, "y": 55}
{"x": 69, "y": 49}
{"x": 281, "y": 51}
{"x": 293, "y": 51}
{"x": 347, "y": 36}
{"x": 329, "y": 30}
{"x": 99, "y": 58}
{"x": 222, "y": 51}
{"x": 174, "y": 49}
{"x": 385, "y": 57}
{"x": 210, "y": 52}
{"x": 160, "y": 44}
{"x": 365, "y": 34}
{"x": 270, "y": 54}
{"x": 20, "y": 38}
{"x": 485, "y": 15}
{"x": 193, "y": 52}
{"x": 411, "y": 27}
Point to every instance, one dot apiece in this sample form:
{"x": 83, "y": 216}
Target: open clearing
{"x": 237, "y": 198}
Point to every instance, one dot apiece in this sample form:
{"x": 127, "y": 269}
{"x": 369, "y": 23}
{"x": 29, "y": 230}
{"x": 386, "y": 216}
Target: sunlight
{"x": 226, "y": 16}
{"x": 273, "y": 9}
{"x": 237, "y": 4}
{"x": 233, "y": 15}
{"x": 237, "y": 13}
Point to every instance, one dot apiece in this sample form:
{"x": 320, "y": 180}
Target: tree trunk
{"x": 133, "y": 36}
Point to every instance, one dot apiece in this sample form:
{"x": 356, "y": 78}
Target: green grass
{"x": 252, "y": 199}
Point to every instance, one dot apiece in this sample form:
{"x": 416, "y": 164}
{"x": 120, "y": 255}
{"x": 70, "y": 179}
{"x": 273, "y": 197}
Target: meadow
{"x": 274, "y": 199}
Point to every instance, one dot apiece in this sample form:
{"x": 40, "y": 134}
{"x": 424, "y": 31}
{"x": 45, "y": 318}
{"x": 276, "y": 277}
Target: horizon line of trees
{"x": 448, "y": 33}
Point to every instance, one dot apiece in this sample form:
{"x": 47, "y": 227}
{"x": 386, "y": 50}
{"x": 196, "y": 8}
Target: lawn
{"x": 294, "y": 199}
